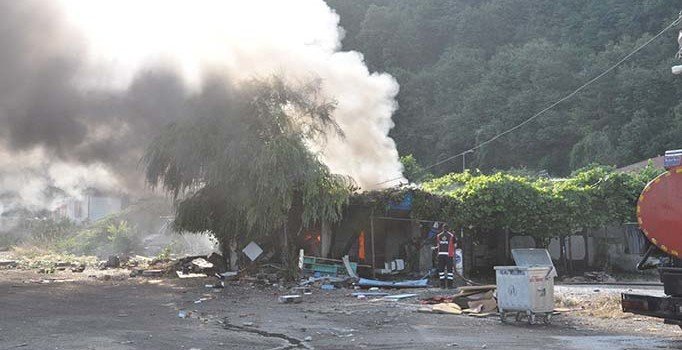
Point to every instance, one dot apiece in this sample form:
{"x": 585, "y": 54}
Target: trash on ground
{"x": 399, "y": 296}
{"x": 152, "y": 273}
{"x": 218, "y": 261}
{"x": 290, "y": 299}
{"x": 421, "y": 283}
{"x": 78, "y": 268}
{"x": 113, "y": 262}
{"x": 369, "y": 294}
{"x": 447, "y": 308}
{"x": 591, "y": 277}
{"x": 190, "y": 275}
{"x": 393, "y": 267}
{"x": 202, "y": 264}
{"x": 227, "y": 275}
{"x": 8, "y": 263}
{"x": 349, "y": 268}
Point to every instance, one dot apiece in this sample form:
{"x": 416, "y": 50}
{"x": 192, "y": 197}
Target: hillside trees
{"x": 470, "y": 69}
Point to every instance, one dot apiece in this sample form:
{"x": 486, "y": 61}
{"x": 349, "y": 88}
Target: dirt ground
{"x": 74, "y": 311}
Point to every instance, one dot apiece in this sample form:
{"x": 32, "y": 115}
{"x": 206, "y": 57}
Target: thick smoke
{"x": 85, "y": 85}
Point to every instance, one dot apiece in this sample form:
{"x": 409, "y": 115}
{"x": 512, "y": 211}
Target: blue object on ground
{"x": 327, "y": 286}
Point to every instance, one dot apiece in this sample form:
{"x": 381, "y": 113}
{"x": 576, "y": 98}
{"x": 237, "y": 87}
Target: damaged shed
{"x": 383, "y": 230}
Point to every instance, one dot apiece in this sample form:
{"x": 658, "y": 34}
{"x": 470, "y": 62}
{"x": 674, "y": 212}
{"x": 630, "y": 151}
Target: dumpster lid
{"x": 532, "y": 257}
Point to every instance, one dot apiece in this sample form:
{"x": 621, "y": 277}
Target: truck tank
{"x": 659, "y": 214}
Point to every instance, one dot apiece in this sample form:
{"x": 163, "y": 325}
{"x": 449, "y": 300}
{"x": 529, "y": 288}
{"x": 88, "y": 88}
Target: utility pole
{"x": 678, "y": 55}
{"x": 464, "y": 160}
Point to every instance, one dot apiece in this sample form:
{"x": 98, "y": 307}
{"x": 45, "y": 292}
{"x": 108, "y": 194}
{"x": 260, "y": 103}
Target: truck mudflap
{"x": 668, "y": 308}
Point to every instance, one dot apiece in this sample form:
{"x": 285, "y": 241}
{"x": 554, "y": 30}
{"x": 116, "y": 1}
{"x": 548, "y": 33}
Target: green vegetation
{"x": 470, "y": 69}
{"x": 412, "y": 171}
{"x": 109, "y": 235}
{"x": 242, "y": 168}
{"x": 592, "y": 197}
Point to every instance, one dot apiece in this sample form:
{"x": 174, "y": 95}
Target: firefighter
{"x": 445, "y": 246}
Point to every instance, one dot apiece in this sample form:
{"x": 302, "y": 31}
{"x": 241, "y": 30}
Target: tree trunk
{"x": 233, "y": 254}
{"x": 325, "y": 239}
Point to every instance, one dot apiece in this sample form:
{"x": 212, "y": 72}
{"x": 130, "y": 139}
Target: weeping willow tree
{"x": 240, "y": 167}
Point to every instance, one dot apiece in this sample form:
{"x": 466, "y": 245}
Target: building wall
{"x": 100, "y": 207}
{"x": 618, "y": 247}
{"x": 90, "y": 208}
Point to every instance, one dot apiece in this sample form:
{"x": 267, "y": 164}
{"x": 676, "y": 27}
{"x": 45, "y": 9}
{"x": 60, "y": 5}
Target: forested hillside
{"x": 469, "y": 69}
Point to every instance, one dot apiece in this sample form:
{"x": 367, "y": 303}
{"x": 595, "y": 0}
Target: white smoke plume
{"x": 93, "y": 81}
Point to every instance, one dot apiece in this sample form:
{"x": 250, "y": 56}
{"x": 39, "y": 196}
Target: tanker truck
{"x": 659, "y": 214}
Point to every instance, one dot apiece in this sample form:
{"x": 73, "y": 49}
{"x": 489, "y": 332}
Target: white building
{"x": 92, "y": 207}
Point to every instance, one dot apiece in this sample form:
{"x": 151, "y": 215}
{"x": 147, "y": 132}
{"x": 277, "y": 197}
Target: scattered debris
{"x": 447, "y": 308}
{"x": 219, "y": 263}
{"x": 369, "y": 294}
{"x": 421, "y": 283}
{"x": 485, "y": 306}
{"x": 113, "y": 262}
{"x": 8, "y": 263}
{"x": 318, "y": 266}
{"x": 152, "y": 273}
{"x": 475, "y": 301}
{"x": 349, "y": 268}
{"x": 393, "y": 267}
{"x": 290, "y": 299}
{"x": 591, "y": 277}
{"x": 190, "y": 275}
{"x": 399, "y": 296}
{"x": 78, "y": 268}
{"x": 202, "y": 264}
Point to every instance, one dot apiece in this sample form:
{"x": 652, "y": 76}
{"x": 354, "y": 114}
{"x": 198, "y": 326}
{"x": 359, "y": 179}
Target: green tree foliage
{"x": 412, "y": 171}
{"x": 470, "y": 69}
{"x": 242, "y": 168}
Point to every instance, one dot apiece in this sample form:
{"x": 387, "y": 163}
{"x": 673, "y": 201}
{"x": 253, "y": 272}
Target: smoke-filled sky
{"x": 86, "y": 84}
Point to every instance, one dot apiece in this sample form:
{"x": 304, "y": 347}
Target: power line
{"x": 672, "y": 24}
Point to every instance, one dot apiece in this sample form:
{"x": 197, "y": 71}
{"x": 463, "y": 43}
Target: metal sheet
{"x": 533, "y": 257}
{"x": 364, "y": 282}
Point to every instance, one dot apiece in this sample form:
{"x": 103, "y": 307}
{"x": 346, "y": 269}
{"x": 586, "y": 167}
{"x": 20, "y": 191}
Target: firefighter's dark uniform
{"x": 445, "y": 245}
